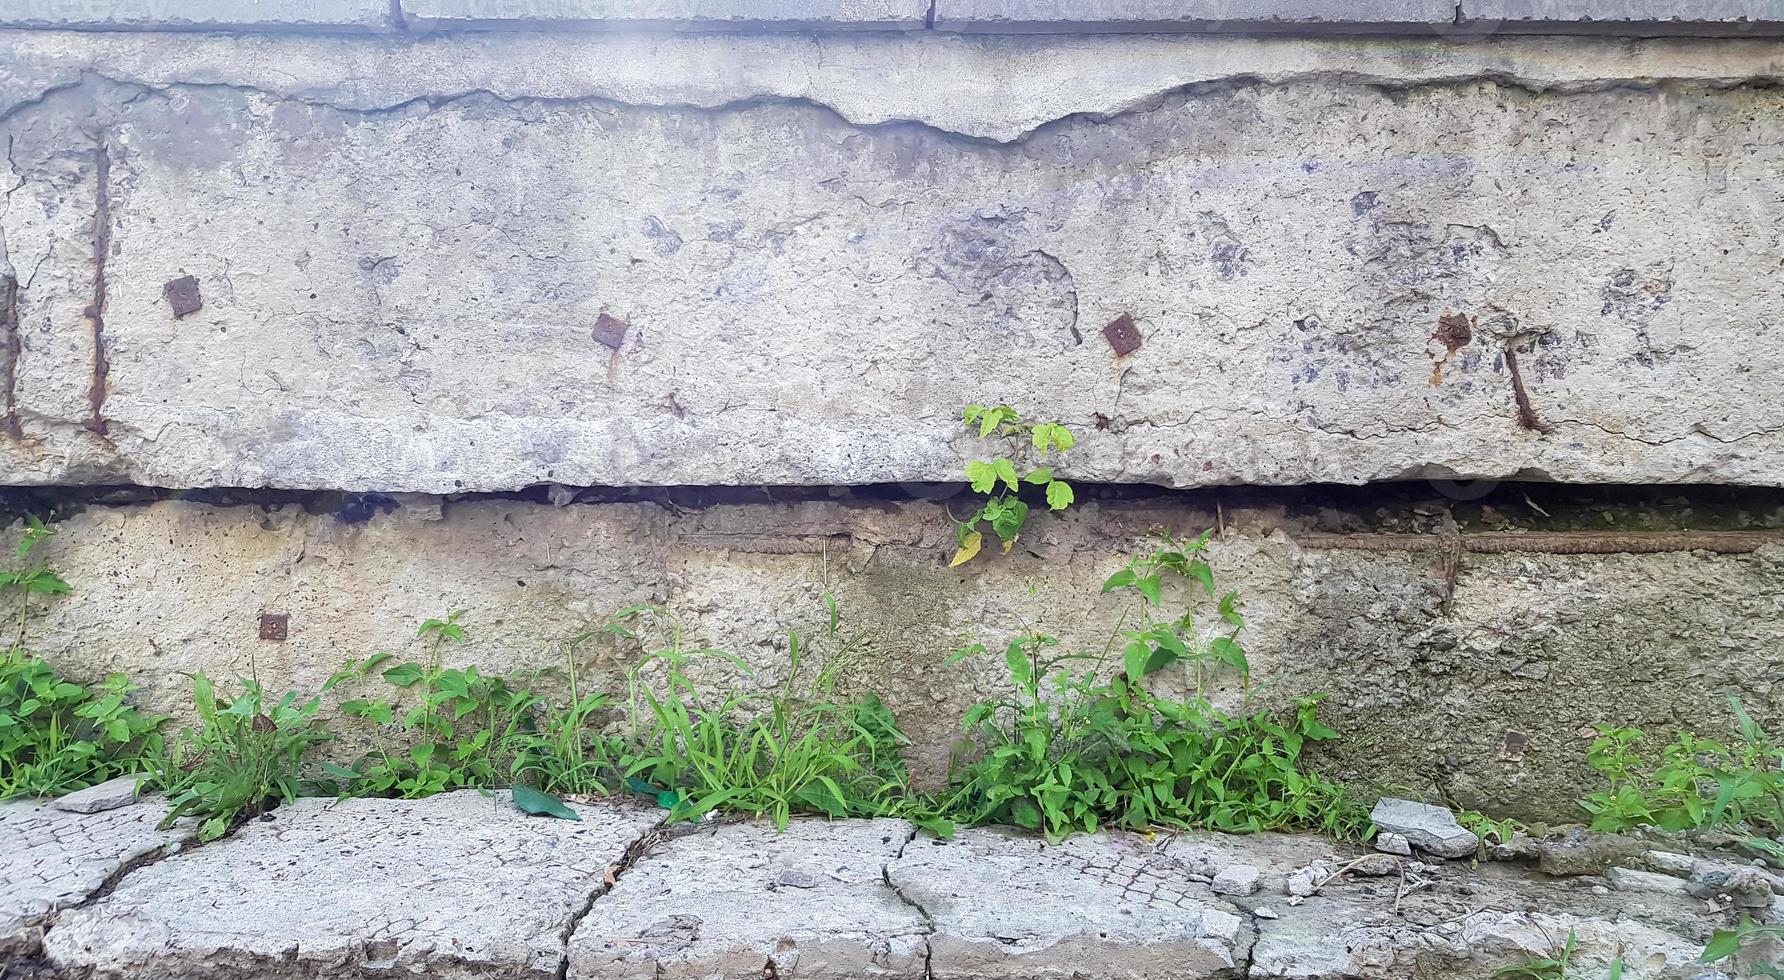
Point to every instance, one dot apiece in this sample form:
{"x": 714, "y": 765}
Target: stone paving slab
{"x": 51, "y": 859}
{"x": 1003, "y": 905}
{"x": 456, "y": 885}
{"x": 740, "y": 900}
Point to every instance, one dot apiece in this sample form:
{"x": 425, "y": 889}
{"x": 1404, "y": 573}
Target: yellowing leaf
{"x": 969, "y": 547}
{"x": 1007, "y": 545}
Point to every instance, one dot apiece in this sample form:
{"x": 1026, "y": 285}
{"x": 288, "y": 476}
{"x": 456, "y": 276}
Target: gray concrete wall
{"x": 1430, "y": 683}
{"x": 403, "y": 251}
{"x": 446, "y": 247}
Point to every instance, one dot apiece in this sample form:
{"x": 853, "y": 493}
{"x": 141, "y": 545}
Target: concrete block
{"x": 426, "y": 15}
{"x": 52, "y": 859}
{"x": 802, "y": 306}
{"x": 456, "y": 885}
{"x": 198, "y": 15}
{"x": 743, "y": 900}
{"x": 1004, "y": 905}
{"x": 1626, "y": 16}
{"x": 1066, "y": 16}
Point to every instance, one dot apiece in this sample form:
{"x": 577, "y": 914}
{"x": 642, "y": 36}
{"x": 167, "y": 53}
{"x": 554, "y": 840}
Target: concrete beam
{"x": 714, "y": 259}
{"x": 199, "y": 15}
{"x": 680, "y": 15}
{"x": 1318, "y": 16}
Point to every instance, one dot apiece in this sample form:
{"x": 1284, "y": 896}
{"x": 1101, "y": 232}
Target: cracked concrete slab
{"x": 1401, "y": 298}
{"x": 456, "y": 885}
{"x": 52, "y": 859}
{"x": 1006, "y": 905}
{"x": 740, "y": 900}
{"x": 1474, "y": 924}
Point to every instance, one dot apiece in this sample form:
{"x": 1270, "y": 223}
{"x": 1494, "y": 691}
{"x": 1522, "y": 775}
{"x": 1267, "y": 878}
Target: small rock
{"x": 1223, "y": 926}
{"x": 1301, "y": 884}
{"x": 1391, "y": 843}
{"x": 1749, "y": 888}
{"x": 1519, "y": 848}
{"x": 1264, "y": 912}
{"x": 1585, "y": 853}
{"x": 1600, "y": 890}
{"x": 1238, "y": 879}
{"x": 1296, "y": 901}
{"x": 1374, "y": 866}
{"x": 109, "y": 795}
{"x": 1429, "y": 828}
{"x": 1627, "y": 880}
{"x": 1666, "y": 862}
{"x": 797, "y": 879}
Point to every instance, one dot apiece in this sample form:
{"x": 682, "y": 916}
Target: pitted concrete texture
{"x": 710, "y": 260}
{"x": 1003, "y": 904}
{"x": 457, "y": 885}
{"x": 740, "y": 900}
{"x": 51, "y": 859}
{"x": 678, "y": 14}
{"x": 1485, "y": 695}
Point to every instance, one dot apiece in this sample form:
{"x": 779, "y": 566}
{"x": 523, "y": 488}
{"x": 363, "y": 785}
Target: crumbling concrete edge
{"x": 634, "y": 852}
{"x": 424, "y": 73}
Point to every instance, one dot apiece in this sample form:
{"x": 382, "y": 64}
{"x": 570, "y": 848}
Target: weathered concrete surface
{"x": 198, "y": 15}
{"x": 1003, "y": 904}
{"x": 457, "y": 885}
{"x": 109, "y": 795}
{"x": 1487, "y": 696}
{"x": 673, "y": 14}
{"x": 1133, "y": 15}
{"x": 742, "y": 900}
{"x": 1467, "y": 925}
{"x": 51, "y": 859}
{"x": 463, "y": 886}
{"x": 1623, "y": 14}
{"x": 1375, "y": 917}
{"x": 811, "y": 304}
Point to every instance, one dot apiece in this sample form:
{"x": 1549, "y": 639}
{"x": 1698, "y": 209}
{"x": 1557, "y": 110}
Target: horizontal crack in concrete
{"x": 1135, "y": 105}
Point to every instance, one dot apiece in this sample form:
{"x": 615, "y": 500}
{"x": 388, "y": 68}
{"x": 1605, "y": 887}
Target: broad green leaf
{"x": 1059, "y": 495}
{"x": 538, "y": 804}
{"x": 1200, "y": 571}
{"x": 1119, "y": 579}
{"x": 1149, "y": 586}
{"x": 982, "y": 476}
{"x": 1006, "y": 471}
{"x": 1723, "y": 944}
{"x": 1040, "y": 476}
{"x": 1016, "y": 658}
{"x": 404, "y": 675}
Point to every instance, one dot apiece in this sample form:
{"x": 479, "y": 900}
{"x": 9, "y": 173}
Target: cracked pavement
{"x": 464, "y": 885}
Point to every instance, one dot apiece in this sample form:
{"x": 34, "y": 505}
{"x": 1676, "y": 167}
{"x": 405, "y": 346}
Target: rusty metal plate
{"x": 274, "y": 626}
{"x": 182, "y": 295}
{"x": 1122, "y": 335}
{"x": 610, "y": 330}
